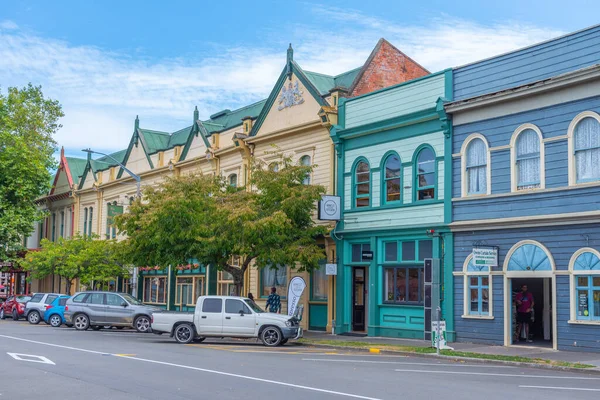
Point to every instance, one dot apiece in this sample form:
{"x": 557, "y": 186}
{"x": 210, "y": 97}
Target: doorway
{"x": 358, "y": 299}
{"x": 540, "y": 324}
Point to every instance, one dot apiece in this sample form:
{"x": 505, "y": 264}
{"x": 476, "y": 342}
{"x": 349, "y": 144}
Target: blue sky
{"x": 108, "y": 61}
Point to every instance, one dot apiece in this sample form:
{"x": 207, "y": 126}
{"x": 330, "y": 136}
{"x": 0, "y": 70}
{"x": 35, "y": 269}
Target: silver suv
{"x": 98, "y": 309}
{"x": 35, "y": 308}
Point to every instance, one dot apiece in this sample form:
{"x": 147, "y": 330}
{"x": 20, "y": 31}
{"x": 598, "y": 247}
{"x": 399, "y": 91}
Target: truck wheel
{"x": 34, "y": 318}
{"x": 184, "y": 333}
{"x": 271, "y": 336}
{"x": 142, "y": 324}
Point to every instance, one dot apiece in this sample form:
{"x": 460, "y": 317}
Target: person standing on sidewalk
{"x": 273, "y": 302}
{"x": 525, "y": 304}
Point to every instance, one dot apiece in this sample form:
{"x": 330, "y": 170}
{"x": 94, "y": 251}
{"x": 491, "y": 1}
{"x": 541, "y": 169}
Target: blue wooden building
{"x": 526, "y": 193}
{"x": 393, "y": 148}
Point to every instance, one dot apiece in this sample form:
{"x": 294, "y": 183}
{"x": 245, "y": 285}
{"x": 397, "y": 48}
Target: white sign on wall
{"x": 295, "y": 290}
{"x": 485, "y": 256}
{"x": 329, "y": 208}
{"x": 330, "y": 269}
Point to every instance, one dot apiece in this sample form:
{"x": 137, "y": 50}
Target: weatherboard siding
{"x": 569, "y": 53}
{"x": 389, "y": 103}
{"x": 423, "y": 215}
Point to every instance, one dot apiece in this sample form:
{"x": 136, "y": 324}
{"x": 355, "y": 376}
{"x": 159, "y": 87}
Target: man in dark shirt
{"x": 273, "y": 302}
{"x": 525, "y": 305}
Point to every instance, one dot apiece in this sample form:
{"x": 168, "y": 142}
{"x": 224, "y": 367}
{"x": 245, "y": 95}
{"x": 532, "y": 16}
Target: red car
{"x": 14, "y": 306}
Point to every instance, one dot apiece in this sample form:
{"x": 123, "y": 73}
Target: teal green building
{"x": 394, "y": 160}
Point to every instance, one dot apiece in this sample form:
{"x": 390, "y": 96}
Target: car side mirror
{"x": 242, "y": 313}
{"x": 124, "y": 304}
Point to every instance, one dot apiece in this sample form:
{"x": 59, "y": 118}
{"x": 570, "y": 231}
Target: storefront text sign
{"x": 295, "y": 289}
{"x": 485, "y": 256}
{"x": 329, "y": 208}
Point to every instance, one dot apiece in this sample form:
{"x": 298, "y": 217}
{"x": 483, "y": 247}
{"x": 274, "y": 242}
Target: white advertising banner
{"x": 295, "y": 290}
{"x": 485, "y": 256}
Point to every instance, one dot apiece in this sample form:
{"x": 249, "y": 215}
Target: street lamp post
{"x": 138, "y": 180}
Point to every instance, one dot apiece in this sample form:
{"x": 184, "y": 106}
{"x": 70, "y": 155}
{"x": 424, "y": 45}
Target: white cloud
{"x": 8, "y": 25}
{"x": 103, "y": 91}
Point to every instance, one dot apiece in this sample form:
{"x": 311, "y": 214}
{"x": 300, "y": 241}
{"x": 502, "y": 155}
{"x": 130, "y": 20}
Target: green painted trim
{"x": 383, "y": 189}
{"x": 128, "y": 153}
{"x": 415, "y": 188}
{"x": 449, "y": 85}
{"x": 394, "y": 205}
{"x": 368, "y": 140}
{"x": 198, "y": 128}
{"x": 354, "y": 184}
{"x": 448, "y": 284}
{"x": 342, "y": 112}
{"x": 390, "y": 123}
{"x": 422, "y": 78}
{"x": 448, "y": 177}
{"x": 392, "y": 230}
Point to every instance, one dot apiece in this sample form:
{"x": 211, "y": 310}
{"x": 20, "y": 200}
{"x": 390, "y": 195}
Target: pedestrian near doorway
{"x": 525, "y": 304}
{"x": 273, "y": 302}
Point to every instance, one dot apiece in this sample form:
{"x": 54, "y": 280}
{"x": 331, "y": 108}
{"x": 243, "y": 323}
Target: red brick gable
{"x": 386, "y": 66}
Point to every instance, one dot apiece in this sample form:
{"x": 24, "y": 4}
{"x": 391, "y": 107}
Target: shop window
{"x": 391, "y": 251}
{"x": 305, "y": 162}
{"x": 527, "y": 159}
{"x": 585, "y": 283}
{"x": 392, "y": 178}
{"x": 155, "y": 289}
{"x": 476, "y": 167}
{"x": 274, "y": 277}
{"x": 477, "y": 289}
{"x": 586, "y": 140}
{"x": 425, "y": 249}
{"x": 403, "y": 285}
{"x": 319, "y": 284}
{"x": 362, "y": 184}
{"x": 425, "y": 174}
{"x": 409, "y": 252}
{"x": 357, "y": 250}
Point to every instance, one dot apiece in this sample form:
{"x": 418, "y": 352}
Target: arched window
{"x": 478, "y": 290}
{"x": 305, "y": 162}
{"x": 362, "y": 184}
{"x": 528, "y": 256}
{"x": 586, "y": 138}
{"x": 91, "y": 218}
{"x": 527, "y": 158}
{"x": 476, "y": 167}
{"x": 233, "y": 180}
{"x": 274, "y": 167}
{"x": 585, "y": 285}
{"x": 392, "y": 178}
{"x": 425, "y": 174}
{"x": 85, "y": 219}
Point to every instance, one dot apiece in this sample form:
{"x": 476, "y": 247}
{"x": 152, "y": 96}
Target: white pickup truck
{"x": 227, "y": 316}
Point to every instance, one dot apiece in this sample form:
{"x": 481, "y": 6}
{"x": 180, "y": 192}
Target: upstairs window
{"x": 476, "y": 167}
{"x": 527, "y": 162}
{"x": 362, "y": 184}
{"x": 233, "y": 180}
{"x": 587, "y": 150}
{"x": 392, "y": 178}
{"x": 305, "y": 162}
{"x": 425, "y": 175}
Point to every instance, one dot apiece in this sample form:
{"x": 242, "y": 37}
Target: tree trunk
{"x": 68, "y": 285}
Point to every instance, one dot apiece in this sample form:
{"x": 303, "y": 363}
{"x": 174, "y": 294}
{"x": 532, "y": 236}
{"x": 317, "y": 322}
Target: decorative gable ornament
{"x": 290, "y": 96}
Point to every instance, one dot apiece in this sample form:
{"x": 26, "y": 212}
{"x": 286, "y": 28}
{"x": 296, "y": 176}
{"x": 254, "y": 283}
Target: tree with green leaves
{"x": 202, "y": 217}
{"x": 84, "y": 258}
{"x": 28, "y": 121}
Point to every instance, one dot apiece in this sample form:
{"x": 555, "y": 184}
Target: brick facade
{"x": 385, "y": 67}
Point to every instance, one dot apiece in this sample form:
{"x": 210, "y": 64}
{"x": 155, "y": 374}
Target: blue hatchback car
{"x": 54, "y": 314}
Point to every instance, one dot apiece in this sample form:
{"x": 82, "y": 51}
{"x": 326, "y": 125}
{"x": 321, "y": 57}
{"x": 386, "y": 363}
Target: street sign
{"x": 485, "y": 256}
{"x": 330, "y": 269}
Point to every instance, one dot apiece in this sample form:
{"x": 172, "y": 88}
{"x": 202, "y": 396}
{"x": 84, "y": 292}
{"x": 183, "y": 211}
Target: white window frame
{"x": 463, "y": 166}
{"x": 466, "y": 303}
{"x": 573, "y": 274}
{"x": 514, "y": 178}
{"x": 310, "y": 175}
{"x": 571, "y": 146}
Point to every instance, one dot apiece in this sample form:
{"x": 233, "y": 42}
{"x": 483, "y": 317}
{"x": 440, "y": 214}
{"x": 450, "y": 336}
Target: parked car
{"x": 54, "y": 312}
{"x": 227, "y": 316}
{"x": 97, "y": 309}
{"x": 14, "y": 306}
{"x": 35, "y": 308}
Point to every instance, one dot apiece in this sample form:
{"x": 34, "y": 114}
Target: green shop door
{"x": 358, "y": 299}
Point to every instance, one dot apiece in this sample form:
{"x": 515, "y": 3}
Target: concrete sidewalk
{"x": 516, "y": 350}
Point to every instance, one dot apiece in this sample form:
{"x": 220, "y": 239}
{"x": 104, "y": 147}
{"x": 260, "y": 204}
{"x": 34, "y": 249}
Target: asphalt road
{"x": 126, "y": 365}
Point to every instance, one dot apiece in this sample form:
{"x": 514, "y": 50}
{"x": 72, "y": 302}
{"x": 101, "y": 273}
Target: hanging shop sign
{"x": 329, "y": 208}
{"x": 295, "y": 290}
{"x": 485, "y": 256}
{"x": 330, "y": 269}
{"x": 111, "y": 212}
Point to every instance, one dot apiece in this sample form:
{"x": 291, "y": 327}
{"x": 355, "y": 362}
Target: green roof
{"x": 105, "y": 162}
{"x": 347, "y": 78}
{"x": 154, "y": 140}
{"x": 76, "y": 166}
{"x": 233, "y": 118}
{"x": 324, "y": 83}
{"x": 179, "y": 138}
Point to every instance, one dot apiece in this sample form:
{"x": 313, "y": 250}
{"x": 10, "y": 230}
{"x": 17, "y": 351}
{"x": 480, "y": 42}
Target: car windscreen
{"x": 254, "y": 306}
{"x": 23, "y": 299}
{"x": 130, "y": 299}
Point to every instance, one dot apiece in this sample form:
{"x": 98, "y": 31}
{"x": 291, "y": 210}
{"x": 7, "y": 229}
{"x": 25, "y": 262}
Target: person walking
{"x": 525, "y": 304}
{"x": 273, "y": 302}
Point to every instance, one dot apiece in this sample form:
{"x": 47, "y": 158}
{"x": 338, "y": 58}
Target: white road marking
{"x": 31, "y": 358}
{"x": 408, "y": 363}
{"x": 559, "y": 388}
{"x": 197, "y": 369}
{"x": 420, "y": 371}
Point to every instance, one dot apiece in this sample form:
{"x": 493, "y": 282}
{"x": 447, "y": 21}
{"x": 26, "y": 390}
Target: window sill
{"x": 484, "y": 317}
{"x": 577, "y": 322}
{"x": 323, "y": 302}
{"x": 401, "y": 305}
